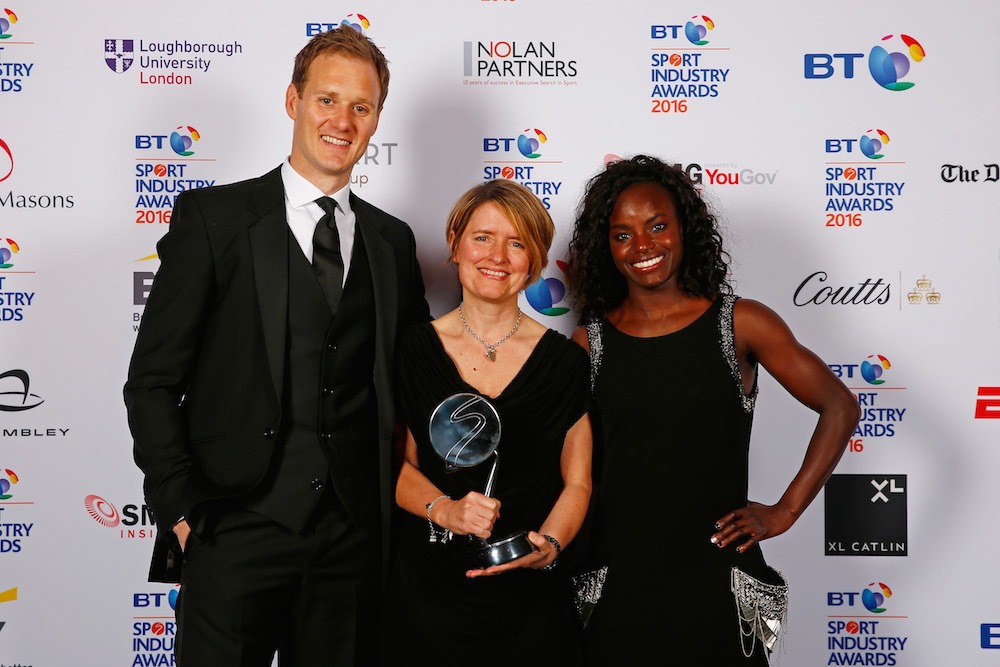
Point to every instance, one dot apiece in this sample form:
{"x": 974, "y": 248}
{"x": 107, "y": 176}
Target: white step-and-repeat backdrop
{"x": 850, "y": 149}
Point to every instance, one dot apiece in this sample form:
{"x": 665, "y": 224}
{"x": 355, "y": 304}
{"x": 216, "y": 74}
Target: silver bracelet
{"x": 554, "y": 542}
{"x": 437, "y": 533}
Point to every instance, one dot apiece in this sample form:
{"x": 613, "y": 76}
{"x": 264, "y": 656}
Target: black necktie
{"x": 327, "y": 261}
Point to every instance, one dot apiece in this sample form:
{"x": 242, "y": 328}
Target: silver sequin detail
{"x": 729, "y": 351}
{"x": 596, "y": 350}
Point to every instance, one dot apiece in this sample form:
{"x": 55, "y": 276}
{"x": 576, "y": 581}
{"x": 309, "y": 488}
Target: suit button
{"x": 332, "y": 347}
{"x": 325, "y": 436}
{"x": 328, "y": 391}
{"x": 316, "y": 485}
{"x": 269, "y": 433}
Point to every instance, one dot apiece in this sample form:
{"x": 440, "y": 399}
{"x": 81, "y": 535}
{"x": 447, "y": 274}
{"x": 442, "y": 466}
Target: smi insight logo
{"x": 887, "y": 65}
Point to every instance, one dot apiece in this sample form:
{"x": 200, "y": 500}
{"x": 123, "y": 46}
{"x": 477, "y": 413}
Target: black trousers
{"x": 251, "y": 587}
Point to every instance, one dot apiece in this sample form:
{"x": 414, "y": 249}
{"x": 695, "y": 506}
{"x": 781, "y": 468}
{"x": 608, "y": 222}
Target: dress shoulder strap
{"x": 727, "y": 336}
{"x": 596, "y": 350}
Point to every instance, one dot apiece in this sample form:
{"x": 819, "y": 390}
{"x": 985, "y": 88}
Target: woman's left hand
{"x": 751, "y": 524}
{"x": 543, "y": 554}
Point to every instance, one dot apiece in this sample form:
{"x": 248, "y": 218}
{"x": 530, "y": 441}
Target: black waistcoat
{"x": 330, "y": 425}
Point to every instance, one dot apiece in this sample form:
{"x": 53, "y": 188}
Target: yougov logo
{"x": 696, "y": 31}
{"x": 7, "y": 19}
{"x": 888, "y": 68}
{"x": 872, "y": 144}
{"x": 182, "y": 141}
{"x": 528, "y": 142}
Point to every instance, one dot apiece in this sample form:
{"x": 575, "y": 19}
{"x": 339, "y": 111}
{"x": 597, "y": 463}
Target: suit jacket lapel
{"x": 269, "y": 249}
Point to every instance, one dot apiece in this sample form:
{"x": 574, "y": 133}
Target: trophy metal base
{"x": 502, "y": 551}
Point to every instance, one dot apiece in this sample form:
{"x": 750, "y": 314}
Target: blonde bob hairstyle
{"x": 525, "y": 211}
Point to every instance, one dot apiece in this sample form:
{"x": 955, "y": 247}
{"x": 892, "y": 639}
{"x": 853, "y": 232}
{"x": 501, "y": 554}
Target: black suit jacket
{"x": 205, "y": 382}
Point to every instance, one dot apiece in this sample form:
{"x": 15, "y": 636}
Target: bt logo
{"x": 359, "y": 24}
{"x": 887, "y": 69}
{"x": 529, "y": 141}
{"x": 7, "y": 19}
{"x": 547, "y": 292}
{"x": 873, "y": 597}
{"x": 181, "y": 143}
{"x": 871, "y": 145}
{"x": 143, "y": 600}
{"x": 695, "y": 32}
{"x": 357, "y": 21}
{"x": 873, "y": 367}
{"x": 180, "y": 140}
{"x": 8, "y": 248}
{"x": 7, "y": 480}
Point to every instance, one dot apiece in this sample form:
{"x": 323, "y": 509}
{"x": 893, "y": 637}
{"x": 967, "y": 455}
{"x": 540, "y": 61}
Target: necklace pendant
{"x": 491, "y": 354}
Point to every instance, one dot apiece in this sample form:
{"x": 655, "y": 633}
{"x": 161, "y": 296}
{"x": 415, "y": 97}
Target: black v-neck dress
{"x": 436, "y": 614}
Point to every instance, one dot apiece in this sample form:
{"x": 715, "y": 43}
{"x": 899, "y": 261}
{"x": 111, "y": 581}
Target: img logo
{"x": 695, "y": 32}
{"x": 357, "y": 21}
{"x": 873, "y": 598}
{"x": 8, "y": 478}
{"x": 182, "y": 141}
{"x": 545, "y": 294}
{"x": 528, "y": 142}
{"x": 873, "y": 367}
{"x": 7, "y": 19}
{"x": 118, "y": 54}
{"x": 888, "y": 68}
{"x": 6, "y": 161}
{"x": 8, "y": 248}
{"x": 871, "y": 145}
{"x": 102, "y": 511}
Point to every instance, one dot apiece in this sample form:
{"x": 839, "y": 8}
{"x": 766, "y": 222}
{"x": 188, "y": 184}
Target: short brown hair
{"x": 524, "y": 210}
{"x": 346, "y": 41}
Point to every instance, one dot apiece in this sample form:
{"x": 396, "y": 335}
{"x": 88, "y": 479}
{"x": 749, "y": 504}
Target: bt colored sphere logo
{"x": 7, "y": 480}
{"x": 528, "y": 142}
{"x": 871, "y": 143}
{"x": 889, "y": 68}
{"x": 873, "y": 598}
{"x": 873, "y": 367}
{"x": 182, "y": 141}
{"x": 102, "y": 511}
{"x": 7, "y": 19}
{"x": 357, "y": 21}
{"x": 545, "y": 294}
{"x": 696, "y": 32}
{"x": 8, "y": 248}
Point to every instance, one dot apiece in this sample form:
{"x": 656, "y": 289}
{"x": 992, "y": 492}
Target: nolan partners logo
{"x": 697, "y": 29}
{"x": 14, "y": 394}
{"x": 8, "y": 478}
{"x": 889, "y": 68}
{"x": 182, "y": 139}
{"x": 512, "y": 62}
{"x": 545, "y": 295}
{"x": 7, "y": 19}
{"x": 528, "y": 142}
{"x": 119, "y": 54}
{"x": 8, "y": 248}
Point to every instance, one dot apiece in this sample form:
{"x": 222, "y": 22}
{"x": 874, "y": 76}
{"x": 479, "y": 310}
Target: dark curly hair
{"x": 594, "y": 279}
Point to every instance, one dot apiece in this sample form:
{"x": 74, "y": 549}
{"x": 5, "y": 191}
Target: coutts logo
{"x": 814, "y": 290}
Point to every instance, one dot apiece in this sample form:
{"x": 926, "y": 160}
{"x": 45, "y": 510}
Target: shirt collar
{"x": 300, "y": 192}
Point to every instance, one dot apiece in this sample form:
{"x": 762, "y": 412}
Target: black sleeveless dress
{"x": 436, "y": 614}
{"x": 674, "y": 425}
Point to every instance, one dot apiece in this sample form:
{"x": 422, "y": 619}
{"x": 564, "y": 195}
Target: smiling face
{"x": 492, "y": 259}
{"x": 646, "y": 239}
{"x": 336, "y": 113}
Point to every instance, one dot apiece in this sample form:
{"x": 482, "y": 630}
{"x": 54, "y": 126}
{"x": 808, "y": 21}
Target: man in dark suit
{"x": 260, "y": 390}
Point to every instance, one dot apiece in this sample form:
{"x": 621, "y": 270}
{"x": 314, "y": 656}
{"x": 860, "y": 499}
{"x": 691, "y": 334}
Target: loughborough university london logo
{"x": 118, "y": 54}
